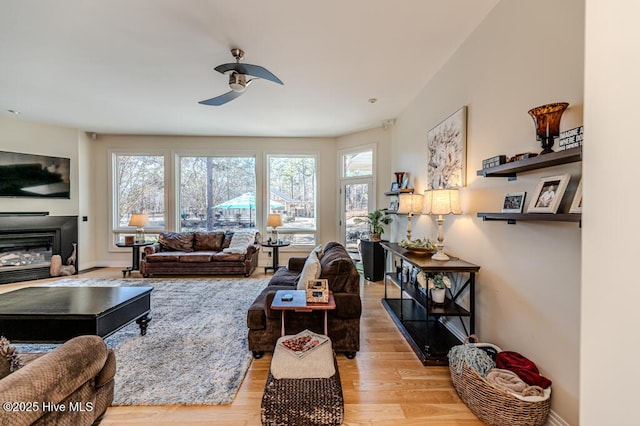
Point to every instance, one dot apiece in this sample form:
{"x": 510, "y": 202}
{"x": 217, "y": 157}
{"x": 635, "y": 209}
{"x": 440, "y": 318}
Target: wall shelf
{"x": 512, "y": 218}
{"x": 402, "y": 191}
{"x": 511, "y": 170}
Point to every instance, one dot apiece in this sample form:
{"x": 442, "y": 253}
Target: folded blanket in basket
{"x": 523, "y": 367}
{"x": 510, "y": 382}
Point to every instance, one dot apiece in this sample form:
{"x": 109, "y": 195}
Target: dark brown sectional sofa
{"x": 343, "y": 322}
{"x": 200, "y": 253}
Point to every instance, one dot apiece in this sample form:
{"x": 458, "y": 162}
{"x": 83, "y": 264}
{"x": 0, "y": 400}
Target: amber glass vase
{"x": 547, "y": 120}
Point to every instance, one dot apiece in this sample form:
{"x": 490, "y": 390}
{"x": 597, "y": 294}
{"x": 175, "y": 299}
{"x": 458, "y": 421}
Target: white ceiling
{"x": 141, "y": 66}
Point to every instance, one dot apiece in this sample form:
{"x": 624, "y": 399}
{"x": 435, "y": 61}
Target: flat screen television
{"x": 28, "y": 175}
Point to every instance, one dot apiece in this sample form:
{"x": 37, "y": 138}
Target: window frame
{"x": 267, "y": 196}
{"x": 114, "y": 230}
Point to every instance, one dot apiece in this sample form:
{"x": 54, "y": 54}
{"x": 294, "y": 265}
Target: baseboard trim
{"x": 553, "y": 420}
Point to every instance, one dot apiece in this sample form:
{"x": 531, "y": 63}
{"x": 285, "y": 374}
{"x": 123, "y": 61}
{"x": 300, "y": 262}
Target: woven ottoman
{"x": 293, "y": 395}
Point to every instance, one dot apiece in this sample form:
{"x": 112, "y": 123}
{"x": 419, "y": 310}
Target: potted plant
{"x": 438, "y": 284}
{"x": 375, "y": 219}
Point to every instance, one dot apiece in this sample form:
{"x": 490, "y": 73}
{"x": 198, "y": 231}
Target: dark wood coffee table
{"x": 57, "y": 314}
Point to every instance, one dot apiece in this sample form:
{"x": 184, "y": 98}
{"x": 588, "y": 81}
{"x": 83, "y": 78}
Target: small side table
{"x": 135, "y": 262}
{"x": 275, "y": 247}
{"x": 300, "y": 304}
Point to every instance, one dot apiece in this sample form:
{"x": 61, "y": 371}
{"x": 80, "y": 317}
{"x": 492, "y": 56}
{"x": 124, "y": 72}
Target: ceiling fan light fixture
{"x": 237, "y": 82}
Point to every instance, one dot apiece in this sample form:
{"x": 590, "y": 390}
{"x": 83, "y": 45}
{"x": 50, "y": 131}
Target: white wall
{"x": 524, "y": 54}
{"x": 609, "y": 371}
{"x": 325, "y": 148}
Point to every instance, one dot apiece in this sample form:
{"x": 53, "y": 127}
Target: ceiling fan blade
{"x": 248, "y": 69}
{"x": 222, "y": 99}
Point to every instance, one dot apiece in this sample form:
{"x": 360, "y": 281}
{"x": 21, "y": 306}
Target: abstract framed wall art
{"x": 447, "y": 149}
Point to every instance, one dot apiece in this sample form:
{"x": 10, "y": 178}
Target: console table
{"x": 410, "y": 306}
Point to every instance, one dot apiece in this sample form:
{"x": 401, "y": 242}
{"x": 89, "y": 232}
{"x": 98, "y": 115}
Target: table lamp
{"x": 441, "y": 202}
{"x": 274, "y": 220}
{"x": 139, "y": 220}
{"x": 409, "y": 204}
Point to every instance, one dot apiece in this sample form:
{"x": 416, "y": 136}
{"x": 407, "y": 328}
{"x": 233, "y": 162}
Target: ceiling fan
{"x": 238, "y": 80}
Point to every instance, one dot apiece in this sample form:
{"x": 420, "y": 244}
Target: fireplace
{"x": 27, "y": 242}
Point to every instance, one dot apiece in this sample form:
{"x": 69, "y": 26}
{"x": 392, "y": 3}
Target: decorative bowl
{"x": 420, "y": 250}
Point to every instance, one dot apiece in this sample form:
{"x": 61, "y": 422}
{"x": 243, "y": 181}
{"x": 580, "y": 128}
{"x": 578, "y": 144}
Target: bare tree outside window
{"x": 292, "y": 181}
{"x": 139, "y": 181}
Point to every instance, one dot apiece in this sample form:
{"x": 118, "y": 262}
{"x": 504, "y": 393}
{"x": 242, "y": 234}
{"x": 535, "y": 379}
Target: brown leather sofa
{"x": 199, "y": 253}
{"x": 343, "y": 322}
{"x": 78, "y": 375}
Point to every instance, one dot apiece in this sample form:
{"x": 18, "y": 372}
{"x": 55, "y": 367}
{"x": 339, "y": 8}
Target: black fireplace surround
{"x": 34, "y": 238}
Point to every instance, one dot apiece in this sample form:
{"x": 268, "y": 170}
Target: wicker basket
{"x": 493, "y": 405}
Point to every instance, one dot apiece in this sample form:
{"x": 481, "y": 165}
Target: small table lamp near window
{"x": 409, "y": 204}
{"x": 139, "y": 220}
{"x": 274, "y": 220}
{"x": 441, "y": 202}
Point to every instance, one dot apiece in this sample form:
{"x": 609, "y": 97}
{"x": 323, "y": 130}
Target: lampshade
{"x": 442, "y": 201}
{"x": 274, "y": 219}
{"x": 139, "y": 220}
{"x": 409, "y": 203}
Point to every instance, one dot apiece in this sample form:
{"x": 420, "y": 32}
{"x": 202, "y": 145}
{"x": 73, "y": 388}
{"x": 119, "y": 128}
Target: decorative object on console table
{"x": 548, "y": 194}
{"x": 274, "y": 220}
{"x": 438, "y": 284}
{"x": 446, "y": 144}
{"x": 513, "y": 202}
{"x": 139, "y": 220}
{"x": 547, "y": 121}
{"x": 442, "y": 202}
{"x": 409, "y": 204}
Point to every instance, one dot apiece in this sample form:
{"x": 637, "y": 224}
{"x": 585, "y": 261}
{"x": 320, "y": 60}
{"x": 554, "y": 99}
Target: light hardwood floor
{"x": 384, "y": 385}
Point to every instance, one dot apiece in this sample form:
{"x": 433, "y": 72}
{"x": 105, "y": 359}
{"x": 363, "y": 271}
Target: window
{"x": 217, "y": 193}
{"x": 357, "y": 164}
{"x": 138, "y": 188}
{"x": 292, "y": 183}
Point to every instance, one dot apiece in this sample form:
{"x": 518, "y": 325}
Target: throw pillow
{"x": 9, "y": 359}
{"x": 310, "y": 271}
{"x": 178, "y": 241}
{"x": 319, "y": 252}
{"x": 240, "y": 241}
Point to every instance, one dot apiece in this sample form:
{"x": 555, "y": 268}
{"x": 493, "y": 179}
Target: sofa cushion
{"x": 164, "y": 256}
{"x": 221, "y": 256}
{"x": 179, "y": 241}
{"x": 310, "y": 271}
{"x": 208, "y": 241}
{"x": 10, "y": 361}
{"x": 197, "y": 257}
{"x": 337, "y": 266}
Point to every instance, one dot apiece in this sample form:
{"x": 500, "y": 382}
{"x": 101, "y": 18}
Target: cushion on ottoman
{"x": 316, "y": 364}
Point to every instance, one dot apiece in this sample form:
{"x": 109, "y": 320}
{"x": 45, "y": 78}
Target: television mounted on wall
{"x": 29, "y": 175}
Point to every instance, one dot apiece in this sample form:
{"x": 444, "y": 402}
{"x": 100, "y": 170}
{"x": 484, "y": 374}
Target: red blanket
{"x": 523, "y": 367}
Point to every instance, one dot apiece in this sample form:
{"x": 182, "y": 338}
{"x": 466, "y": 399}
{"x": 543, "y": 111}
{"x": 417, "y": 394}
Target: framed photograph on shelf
{"x": 576, "y": 205}
{"x": 393, "y": 205}
{"x": 395, "y": 186}
{"x": 447, "y": 151}
{"x": 513, "y": 202}
{"x": 548, "y": 194}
